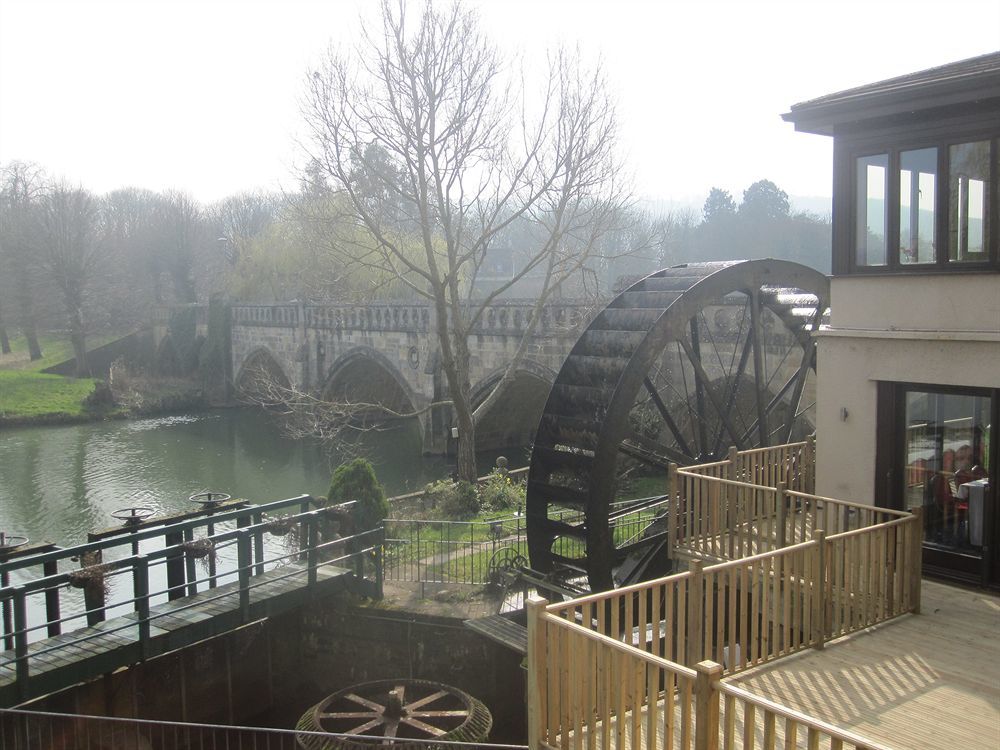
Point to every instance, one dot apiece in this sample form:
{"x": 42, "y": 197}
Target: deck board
{"x": 921, "y": 681}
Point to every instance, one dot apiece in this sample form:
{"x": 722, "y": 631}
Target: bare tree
{"x": 71, "y": 254}
{"x": 426, "y": 112}
{"x": 21, "y": 188}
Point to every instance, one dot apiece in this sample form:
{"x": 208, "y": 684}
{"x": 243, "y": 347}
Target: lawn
{"x": 55, "y": 349}
{"x": 27, "y": 395}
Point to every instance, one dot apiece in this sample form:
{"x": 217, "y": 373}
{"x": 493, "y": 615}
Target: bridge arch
{"x": 362, "y": 375}
{"x": 260, "y": 366}
{"x": 512, "y": 419}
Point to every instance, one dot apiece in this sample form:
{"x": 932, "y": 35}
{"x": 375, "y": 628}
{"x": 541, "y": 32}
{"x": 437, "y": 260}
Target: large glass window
{"x": 917, "y": 195}
{"x": 947, "y": 452}
{"x": 872, "y": 180}
{"x": 969, "y": 201}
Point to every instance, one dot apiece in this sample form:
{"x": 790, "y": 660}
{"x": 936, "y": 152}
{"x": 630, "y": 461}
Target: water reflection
{"x": 58, "y": 483}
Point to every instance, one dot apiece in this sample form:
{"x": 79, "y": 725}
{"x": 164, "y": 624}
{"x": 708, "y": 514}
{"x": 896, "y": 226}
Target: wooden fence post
{"x": 52, "y": 614}
{"x": 809, "y": 466}
{"x": 673, "y": 510}
{"x": 21, "y": 667}
{"x": 695, "y": 613}
{"x": 537, "y": 676}
{"x": 819, "y": 591}
{"x": 781, "y": 503}
{"x": 734, "y": 460}
{"x": 706, "y": 717}
{"x": 916, "y": 558}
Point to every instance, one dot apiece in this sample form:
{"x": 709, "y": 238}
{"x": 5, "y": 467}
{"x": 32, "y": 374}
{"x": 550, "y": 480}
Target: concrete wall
{"x": 938, "y": 330}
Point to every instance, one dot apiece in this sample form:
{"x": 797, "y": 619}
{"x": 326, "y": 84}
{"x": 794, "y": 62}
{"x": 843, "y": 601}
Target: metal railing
{"x": 253, "y": 558}
{"x": 30, "y": 730}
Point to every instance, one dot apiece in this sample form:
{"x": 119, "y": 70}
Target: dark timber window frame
{"x": 894, "y": 139}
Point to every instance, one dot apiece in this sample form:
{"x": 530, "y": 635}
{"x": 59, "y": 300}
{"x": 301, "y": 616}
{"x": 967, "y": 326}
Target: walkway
{"x": 929, "y": 680}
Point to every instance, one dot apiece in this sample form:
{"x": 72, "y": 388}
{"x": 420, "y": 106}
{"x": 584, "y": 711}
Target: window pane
{"x": 947, "y": 442}
{"x": 872, "y": 174}
{"x": 968, "y": 205}
{"x": 917, "y": 183}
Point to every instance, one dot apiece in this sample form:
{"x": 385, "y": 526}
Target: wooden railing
{"x": 797, "y": 570}
{"x": 744, "y": 720}
{"x": 724, "y": 511}
{"x": 589, "y": 690}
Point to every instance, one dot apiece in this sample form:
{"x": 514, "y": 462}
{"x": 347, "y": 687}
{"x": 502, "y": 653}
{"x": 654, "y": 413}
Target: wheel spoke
{"x": 701, "y": 381}
{"x": 365, "y": 727}
{"x": 756, "y": 326}
{"x": 428, "y": 698}
{"x": 377, "y": 707}
{"x": 710, "y": 392}
{"x": 424, "y": 727}
{"x": 661, "y": 407}
{"x": 733, "y": 389}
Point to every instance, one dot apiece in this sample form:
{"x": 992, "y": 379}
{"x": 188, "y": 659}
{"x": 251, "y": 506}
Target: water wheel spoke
{"x": 360, "y": 728}
{"x": 431, "y": 714}
{"x": 348, "y": 715}
{"x": 391, "y": 727}
{"x": 661, "y": 407}
{"x": 652, "y": 453}
{"x": 781, "y": 394}
{"x": 701, "y": 381}
{"x": 756, "y": 327}
{"x": 355, "y": 698}
{"x": 710, "y": 392}
{"x": 733, "y": 389}
{"x": 426, "y": 700}
{"x": 423, "y": 726}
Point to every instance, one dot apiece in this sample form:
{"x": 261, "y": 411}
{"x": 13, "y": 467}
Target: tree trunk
{"x": 77, "y": 336}
{"x": 4, "y": 341}
{"x": 31, "y": 336}
{"x": 466, "y": 458}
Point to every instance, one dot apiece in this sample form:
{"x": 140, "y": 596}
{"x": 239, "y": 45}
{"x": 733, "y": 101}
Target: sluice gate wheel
{"x": 678, "y": 367}
{"x": 390, "y": 712}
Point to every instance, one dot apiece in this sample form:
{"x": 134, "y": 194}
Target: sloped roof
{"x": 962, "y": 82}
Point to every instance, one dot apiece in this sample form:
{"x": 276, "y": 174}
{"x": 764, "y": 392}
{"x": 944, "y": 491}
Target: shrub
{"x": 356, "y": 481}
{"x": 500, "y": 492}
{"x": 453, "y": 499}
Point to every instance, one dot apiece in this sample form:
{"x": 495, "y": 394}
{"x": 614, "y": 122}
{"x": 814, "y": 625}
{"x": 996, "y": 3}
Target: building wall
{"x": 935, "y": 329}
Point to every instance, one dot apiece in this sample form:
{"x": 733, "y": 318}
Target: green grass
{"x": 28, "y": 395}
{"x": 55, "y": 349}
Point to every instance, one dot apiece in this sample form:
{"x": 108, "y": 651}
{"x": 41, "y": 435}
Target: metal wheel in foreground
{"x": 390, "y": 712}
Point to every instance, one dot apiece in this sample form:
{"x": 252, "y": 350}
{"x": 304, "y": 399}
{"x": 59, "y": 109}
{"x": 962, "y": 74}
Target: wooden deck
{"x": 63, "y": 660}
{"x": 930, "y": 680}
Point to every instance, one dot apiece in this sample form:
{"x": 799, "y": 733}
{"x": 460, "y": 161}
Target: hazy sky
{"x": 203, "y": 96}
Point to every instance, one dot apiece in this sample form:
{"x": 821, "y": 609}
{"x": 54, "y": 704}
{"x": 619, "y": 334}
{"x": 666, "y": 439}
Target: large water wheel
{"x": 678, "y": 367}
{"x": 390, "y": 712}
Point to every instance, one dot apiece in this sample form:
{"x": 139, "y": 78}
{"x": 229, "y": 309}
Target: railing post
{"x": 809, "y": 468}
{"x": 537, "y": 675}
{"x": 52, "y": 614}
{"x": 93, "y": 595}
{"x": 379, "y": 560}
{"x": 21, "y": 667}
{"x": 781, "y": 500}
{"x": 312, "y": 554}
{"x": 175, "y": 565}
{"x": 243, "y": 571}
{"x": 673, "y": 510}
{"x": 706, "y": 717}
{"x": 819, "y": 591}
{"x": 733, "y": 457}
{"x": 140, "y": 589}
{"x": 695, "y": 613}
{"x": 916, "y": 558}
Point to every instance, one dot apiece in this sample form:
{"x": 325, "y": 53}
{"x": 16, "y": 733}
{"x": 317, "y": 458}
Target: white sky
{"x": 203, "y": 96}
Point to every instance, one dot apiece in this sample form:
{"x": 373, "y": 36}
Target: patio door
{"x": 943, "y": 458}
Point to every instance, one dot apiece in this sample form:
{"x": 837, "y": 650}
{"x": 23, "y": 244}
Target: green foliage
{"x": 355, "y": 481}
{"x": 500, "y": 492}
{"x": 454, "y": 500}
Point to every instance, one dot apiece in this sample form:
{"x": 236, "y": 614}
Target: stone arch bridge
{"x": 387, "y": 353}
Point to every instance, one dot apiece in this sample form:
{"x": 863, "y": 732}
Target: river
{"x": 57, "y": 483}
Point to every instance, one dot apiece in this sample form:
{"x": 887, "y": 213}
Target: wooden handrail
{"x": 849, "y": 503}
